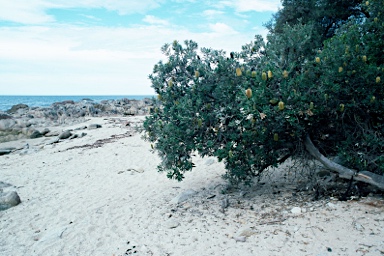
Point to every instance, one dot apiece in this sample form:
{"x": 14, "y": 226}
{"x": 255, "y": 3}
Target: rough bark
{"x": 344, "y": 172}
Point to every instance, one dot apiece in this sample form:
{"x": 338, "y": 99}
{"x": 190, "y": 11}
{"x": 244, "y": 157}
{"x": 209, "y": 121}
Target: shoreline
{"x": 22, "y": 121}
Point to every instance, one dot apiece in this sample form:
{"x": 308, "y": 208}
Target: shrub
{"x": 254, "y": 108}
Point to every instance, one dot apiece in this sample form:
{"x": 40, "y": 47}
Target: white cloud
{"x": 31, "y": 12}
{"x": 212, "y": 13}
{"x": 252, "y": 5}
{"x": 94, "y": 60}
{"x": 222, "y": 28}
{"x": 153, "y": 20}
{"x": 34, "y": 11}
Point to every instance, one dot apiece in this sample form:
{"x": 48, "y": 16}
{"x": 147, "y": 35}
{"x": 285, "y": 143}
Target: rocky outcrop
{"x": 22, "y": 121}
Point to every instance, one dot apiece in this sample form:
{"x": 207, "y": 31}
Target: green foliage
{"x": 333, "y": 95}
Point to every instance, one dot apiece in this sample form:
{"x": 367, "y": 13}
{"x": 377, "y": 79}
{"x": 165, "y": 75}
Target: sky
{"x": 109, "y": 47}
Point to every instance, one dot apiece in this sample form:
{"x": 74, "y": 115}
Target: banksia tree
{"x": 271, "y": 101}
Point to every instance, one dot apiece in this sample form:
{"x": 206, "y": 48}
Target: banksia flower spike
{"x": 364, "y": 58}
{"x": 253, "y": 74}
{"x": 317, "y": 59}
{"x": 197, "y": 74}
{"x": 340, "y": 69}
{"x": 170, "y": 83}
{"x": 248, "y": 92}
{"x": 281, "y": 105}
{"x": 342, "y": 107}
{"x": 378, "y": 79}
{"x": 238, "y": 71}
{"x": 270, "y": 75}
{"x": 276, "y": 137}
{"x": 264, "y": 76}
{"x": 285, "y": 74}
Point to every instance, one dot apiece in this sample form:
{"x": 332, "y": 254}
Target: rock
{"x": 331, "y": 205}
{"x": 5, "y": 116}
{"x": 7, "y": 124}
{"x": 6, "y": 151}
{"x": 94, "y": 126}
{"x": 245, "y": 232}
{"x": 45, "y": 131}
{"x": 296, "y": 210}
{"x": 15, "y": 108}
{"x": 224, "y": 203}
{"x": 240, "y": 238}
{"x": 52, "y": 134}
{"x": 65, "y": 135}
{"x": 172, "y": 224}
{"x": 8, "y": 200}
{"x": 36, "y": 134}
{"x": 184, "y": 196}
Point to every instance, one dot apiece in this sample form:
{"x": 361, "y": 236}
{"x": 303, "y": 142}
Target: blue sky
{"x": 98, "y": 47}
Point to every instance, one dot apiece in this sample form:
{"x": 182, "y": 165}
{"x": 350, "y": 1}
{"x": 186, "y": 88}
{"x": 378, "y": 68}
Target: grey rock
{"x": 296, "y": 210}
{"x": 36, "y": 134}
{"x": 246, "y": 232}
{"x": 184, "y": 196}
{"x": 16, "y": 107}
{"x": 65, "y": 135}
{"x": 52, "y": 134}
{"x": 6, "y": 151}
{"x": 172, "y": 224}
{"x": 94, "y": 126}
{"x": 7, "y": 124}
{"x": 8, "y": 200}
{"x": 240, "y": 238}
{"x": 45, "y": 131}
{"x": 224, "y": 203}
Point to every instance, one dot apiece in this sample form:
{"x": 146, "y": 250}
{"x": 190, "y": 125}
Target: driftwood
{"x": 344, "y": 172}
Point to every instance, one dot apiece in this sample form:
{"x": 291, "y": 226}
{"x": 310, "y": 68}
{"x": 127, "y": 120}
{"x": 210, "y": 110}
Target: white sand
{"x": 111, "y": 200}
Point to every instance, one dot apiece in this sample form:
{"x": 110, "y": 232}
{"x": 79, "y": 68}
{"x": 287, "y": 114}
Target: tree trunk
{"x": 344, "y": 172}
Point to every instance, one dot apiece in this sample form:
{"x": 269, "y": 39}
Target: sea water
{"x": 6, "y": 102}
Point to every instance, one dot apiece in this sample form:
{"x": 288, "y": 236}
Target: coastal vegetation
{"x": 312, "y": 89}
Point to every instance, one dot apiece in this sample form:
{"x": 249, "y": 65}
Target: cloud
{"x": 35, "y": 12}
{"x": 211, "y": 13}
{"x": 222, "y": 28}
{"x": 153, "y": 20}
{"x": 30, "y": 12}
{"x": 252, "y": 5}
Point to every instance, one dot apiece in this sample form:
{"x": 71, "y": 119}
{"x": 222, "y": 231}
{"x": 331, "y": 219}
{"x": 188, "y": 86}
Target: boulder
{"x": 65, "y": 135}
{"x": 15, "y": 108}
{"x": 36, "y": 134}
{"x": 184, "y": 196}
{"x": 8, "y": 200}
{"x": 5, "y": 151}
{"x": 7, "y": 124}
{"x": 94, "y": 126}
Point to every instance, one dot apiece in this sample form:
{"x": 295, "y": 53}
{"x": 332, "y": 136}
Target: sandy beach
{"x": 101, "y": 194}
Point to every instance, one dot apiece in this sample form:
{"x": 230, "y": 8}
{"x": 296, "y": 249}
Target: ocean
{"x": 6, "y": 102}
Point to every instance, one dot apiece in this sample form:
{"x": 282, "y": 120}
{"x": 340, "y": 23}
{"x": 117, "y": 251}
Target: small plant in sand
{"x": 256, "y": 108}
